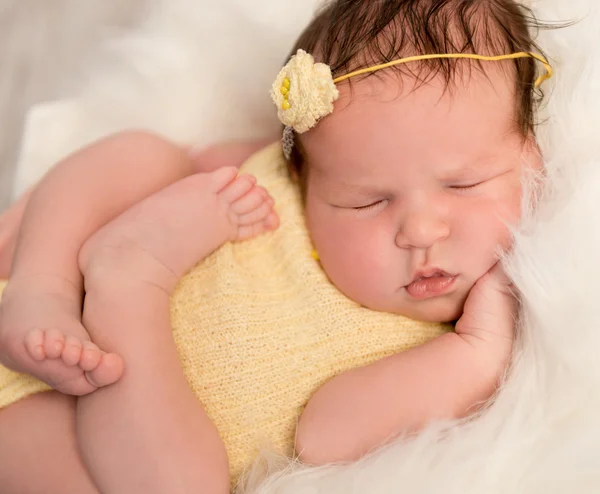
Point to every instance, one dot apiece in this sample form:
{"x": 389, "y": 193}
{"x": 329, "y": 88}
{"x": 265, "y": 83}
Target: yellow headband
{"x": 483, "y": 58}
{"x": 304, "y": 91}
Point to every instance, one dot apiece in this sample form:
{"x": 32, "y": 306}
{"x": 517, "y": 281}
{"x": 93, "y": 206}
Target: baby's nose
{"x": 421, "y": 231}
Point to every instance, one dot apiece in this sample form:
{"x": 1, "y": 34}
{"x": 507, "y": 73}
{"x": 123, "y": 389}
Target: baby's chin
{"x": 438, "y": 310}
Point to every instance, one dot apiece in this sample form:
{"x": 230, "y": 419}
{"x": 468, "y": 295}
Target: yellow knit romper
{"x": 260, "y": 328}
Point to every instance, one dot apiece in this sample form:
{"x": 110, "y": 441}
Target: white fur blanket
{"x": 200, "y": 72}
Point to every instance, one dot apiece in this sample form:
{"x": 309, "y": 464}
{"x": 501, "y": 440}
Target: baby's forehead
{"x": 377, "y": 120}
{"x": 484, "y": 97}
{"x": 470, "y": 76}
{"x": 411, "y": 101}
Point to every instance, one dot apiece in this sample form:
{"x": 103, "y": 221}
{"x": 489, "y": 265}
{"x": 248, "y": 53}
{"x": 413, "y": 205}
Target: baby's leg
{"x": 148, "y": 432}
{"x": 40, "y": 313}
{"x": 10, "y": 222}
{"x": 38, "y": 449}
{"x": 180, "y": 225}
{"x": 72, "y": 363}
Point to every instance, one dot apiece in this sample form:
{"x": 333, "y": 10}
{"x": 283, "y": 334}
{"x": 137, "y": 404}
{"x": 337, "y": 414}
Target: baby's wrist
{"x": 492, "y": 359}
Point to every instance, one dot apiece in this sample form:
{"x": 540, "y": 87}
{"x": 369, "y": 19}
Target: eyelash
{"x": 466, "y": 187}
{"x": 368, "y": 207}
{"x": 454, "y": 187}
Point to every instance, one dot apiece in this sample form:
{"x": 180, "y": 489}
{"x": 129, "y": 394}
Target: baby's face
{"x": 410, "y": 194}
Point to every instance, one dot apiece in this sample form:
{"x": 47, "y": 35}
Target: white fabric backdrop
{"x": 197, "y": 71}
{"x": 43, "y": 44}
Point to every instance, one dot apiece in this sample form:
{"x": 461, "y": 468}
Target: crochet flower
{"x": 303, "y": 92}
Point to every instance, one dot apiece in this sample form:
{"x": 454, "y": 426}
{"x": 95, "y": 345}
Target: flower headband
{"x": 304, "y": 91}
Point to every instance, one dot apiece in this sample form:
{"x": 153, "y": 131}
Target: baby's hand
{"x": 489, "y": 316}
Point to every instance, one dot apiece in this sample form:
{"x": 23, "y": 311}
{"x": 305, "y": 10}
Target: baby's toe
{"x": 237, "y": 188}
{"x": 222, "y": 177}
{"x": 272, "y": 221}
{"x": 71, "y": 354}
{"x": 250, "y": 201}
{"x": 108, "y": 371}
{"x": 90, "y": 356}
{"x": 250, "y": 231}
{"x": 257, "y": 215}
{"x": 54, "y": 343}
{"x": 34, "y": 343}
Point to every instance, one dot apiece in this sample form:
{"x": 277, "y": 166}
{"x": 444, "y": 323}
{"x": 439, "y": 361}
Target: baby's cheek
{"x": 509, "y": 202}
{"x": 346, "y": 255}
{"x": 499, "y": 235}
{"x": 352, "y": 264}
{"x": 484, "y": 229}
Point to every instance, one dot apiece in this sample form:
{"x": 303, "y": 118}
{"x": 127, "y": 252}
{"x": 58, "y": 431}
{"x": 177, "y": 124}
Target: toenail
{"x": 90, "y": 379}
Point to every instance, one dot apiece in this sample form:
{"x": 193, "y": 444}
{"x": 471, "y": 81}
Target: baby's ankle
{"x": 104, "y": 267}
{"x": 47, "y": 283}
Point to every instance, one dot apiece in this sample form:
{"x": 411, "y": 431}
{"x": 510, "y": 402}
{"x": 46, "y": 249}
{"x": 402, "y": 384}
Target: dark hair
{"x": 349, "y": 35}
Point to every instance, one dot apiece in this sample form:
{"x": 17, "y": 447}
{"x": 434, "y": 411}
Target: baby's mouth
{"x": 429, "y": 284}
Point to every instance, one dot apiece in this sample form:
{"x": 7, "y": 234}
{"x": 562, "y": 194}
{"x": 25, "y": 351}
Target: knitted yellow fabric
{"x": 260, "y": 328}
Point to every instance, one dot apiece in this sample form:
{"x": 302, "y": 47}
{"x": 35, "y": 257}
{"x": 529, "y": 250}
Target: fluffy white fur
{"x": 199, "y": 73}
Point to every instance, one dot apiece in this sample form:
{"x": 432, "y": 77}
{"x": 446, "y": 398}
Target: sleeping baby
{"x": 341, "y": 289}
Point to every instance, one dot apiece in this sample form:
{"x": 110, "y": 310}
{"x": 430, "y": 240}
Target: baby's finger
{"x": 498, "y": 279}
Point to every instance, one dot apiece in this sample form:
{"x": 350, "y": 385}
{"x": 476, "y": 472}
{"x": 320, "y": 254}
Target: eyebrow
{"x": 462, "y": 170}
{"x": 338, "y": 186}
{"x": 473, "y": 165}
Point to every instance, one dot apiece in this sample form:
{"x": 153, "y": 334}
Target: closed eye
{"x": 466, "y": 187}
{"x": 370, "y": 206}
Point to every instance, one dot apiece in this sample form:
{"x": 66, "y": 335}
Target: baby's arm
{"x": 233, "y": 153}
{"x": 447, "y": 378}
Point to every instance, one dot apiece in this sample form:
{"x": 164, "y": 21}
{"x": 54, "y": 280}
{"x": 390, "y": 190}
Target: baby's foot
{"x": 161, "y": 238}
{"x": 41, "y": 334}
